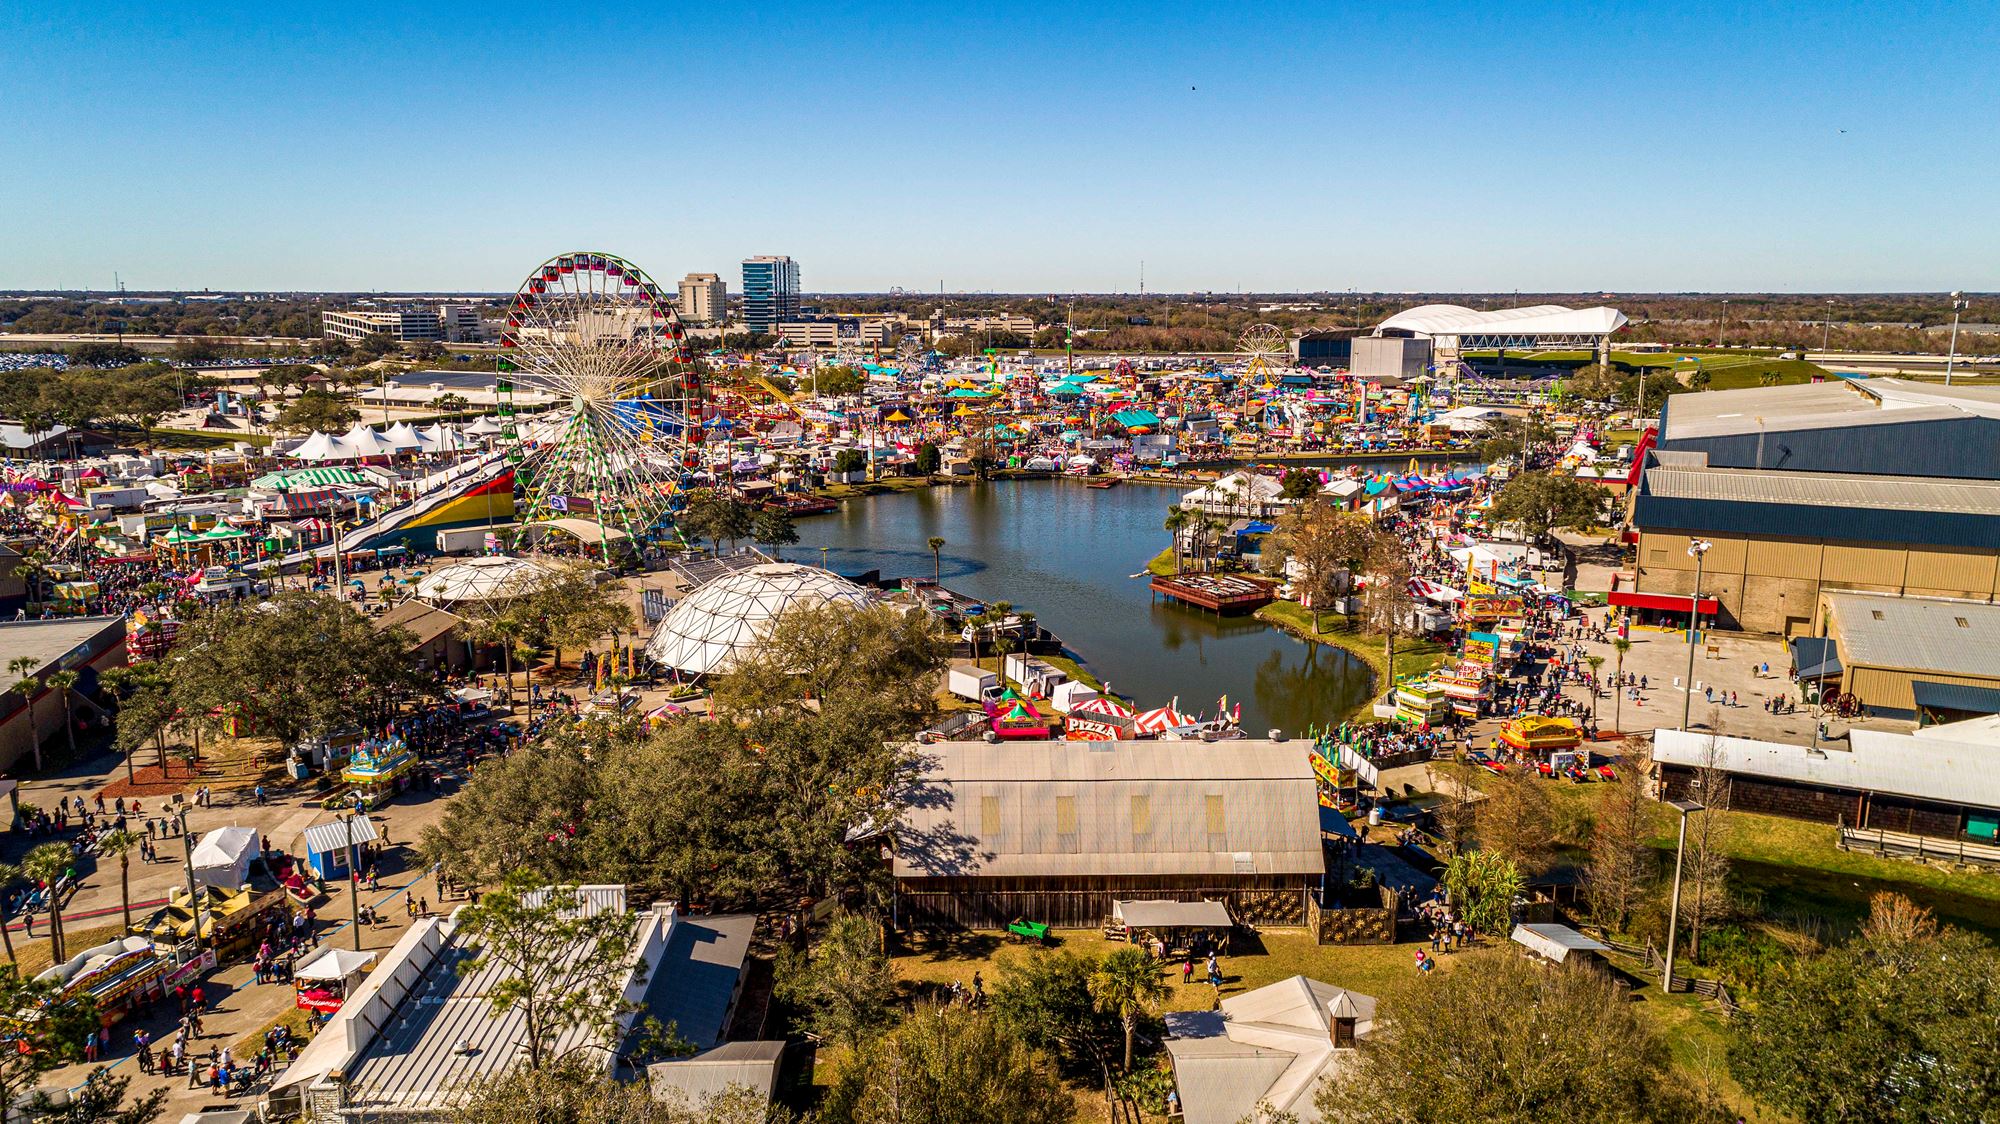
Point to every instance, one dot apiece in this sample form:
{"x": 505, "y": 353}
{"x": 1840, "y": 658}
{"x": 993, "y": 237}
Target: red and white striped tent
{"x": 1103, "y": 704}
{"x": 1159, "y": 721}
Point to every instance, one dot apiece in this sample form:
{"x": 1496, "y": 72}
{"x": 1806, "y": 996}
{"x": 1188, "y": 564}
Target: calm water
{"x": 1065, "y": 553}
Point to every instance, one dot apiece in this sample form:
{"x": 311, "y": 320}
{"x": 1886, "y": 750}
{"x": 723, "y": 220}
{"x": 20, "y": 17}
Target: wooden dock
{"x": 1222, "y": 594}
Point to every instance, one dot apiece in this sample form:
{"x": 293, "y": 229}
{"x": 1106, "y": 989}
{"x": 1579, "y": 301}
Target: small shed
{"x": 327, "y": 844}
{"x": 1559, "y": 944}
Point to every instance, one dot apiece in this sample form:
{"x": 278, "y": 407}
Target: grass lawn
{"x": 1413, "y": 657}
{"x": 1259, "y": 959}
{"x": 203, "y": 439}
{"x": 1162, "y": 564}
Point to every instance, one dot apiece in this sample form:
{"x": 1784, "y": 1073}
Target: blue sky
{"x": 1019, "y": 147}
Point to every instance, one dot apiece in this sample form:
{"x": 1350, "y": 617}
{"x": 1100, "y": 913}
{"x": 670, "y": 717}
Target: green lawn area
{"x": 203, "y": 439}
{"x": 1413, "y": 657}
{"x": 1728, "y": 369}
{"x": 1259, "y": 959}
{"x": 1162, "y": 564}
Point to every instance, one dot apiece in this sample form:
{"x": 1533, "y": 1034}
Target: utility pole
{"x": 1674, "y": 911}
{"x": 194, "y": 895}
{"x": 1697, "y": 550}
{"x": 354, "y": 878}
{"x": 1958, "y": 304}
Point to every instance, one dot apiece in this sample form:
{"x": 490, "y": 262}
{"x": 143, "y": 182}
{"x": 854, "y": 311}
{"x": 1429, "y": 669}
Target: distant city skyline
{"x": 1023, "y": 148}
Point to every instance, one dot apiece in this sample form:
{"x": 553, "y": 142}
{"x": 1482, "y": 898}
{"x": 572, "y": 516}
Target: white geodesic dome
{"x": 498, "y": 578}
{"x": 713, "y": 625}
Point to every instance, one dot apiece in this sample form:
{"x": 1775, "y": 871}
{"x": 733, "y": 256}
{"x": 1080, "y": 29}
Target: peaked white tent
{"x": 441, "y": 438}
{"x": 401, "y": 437}
{"x": 222, "y": 859}
{"x": 483, "y": 426}
{"x": 365, "y": 442}
{"x": 322, "y": 447}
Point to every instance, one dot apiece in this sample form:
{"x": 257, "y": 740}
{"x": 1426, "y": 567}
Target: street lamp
{"x": 1697, "y": 550}
{"x": 1958, "y": 304}
{"x": 1825, "y": 329}
{"x": 1685, "y": 807}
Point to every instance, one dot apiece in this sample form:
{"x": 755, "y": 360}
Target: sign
{"x": 1488, "y": 607}
{"x": 1481, "y": 648}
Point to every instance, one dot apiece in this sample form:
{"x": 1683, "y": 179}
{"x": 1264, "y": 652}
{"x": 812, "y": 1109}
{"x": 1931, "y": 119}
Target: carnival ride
{"x": 1265, "y": 348}
{"x": 596, "y": 332}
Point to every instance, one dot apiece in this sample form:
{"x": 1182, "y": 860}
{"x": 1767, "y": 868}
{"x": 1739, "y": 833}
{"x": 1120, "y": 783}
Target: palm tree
{"x": 1212, "y": 527}
{"x": 1621, "y": 646}
{"x": 1127, "y": 983}
{"x": 47, "y": 864}
{"x": 122, "y": 844}
{"x": 9, "y": 874}
{"x": 62, "y": 682}
{"x": 22, "y": 667}
{"x": 997, "y": 617}
{"x": 1595, "y": 662}
{"x": 937, "y": 557}
{"x": 1177, "y": 521}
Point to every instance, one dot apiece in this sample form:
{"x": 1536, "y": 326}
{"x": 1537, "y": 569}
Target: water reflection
{"x": 1067, "y": 553}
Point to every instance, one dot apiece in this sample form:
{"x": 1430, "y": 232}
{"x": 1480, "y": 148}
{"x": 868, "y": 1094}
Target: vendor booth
{"x": 1179, "y": 924}
{"x": 326, "y": 980}
{"x": 327, "y": 845}
{"x": 116, "y": 976}
{"x": 379, "y": 769}
{"x": 1540, "y": 734}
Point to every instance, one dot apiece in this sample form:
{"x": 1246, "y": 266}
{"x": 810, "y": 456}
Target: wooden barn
{"x": 1054, "y": 831}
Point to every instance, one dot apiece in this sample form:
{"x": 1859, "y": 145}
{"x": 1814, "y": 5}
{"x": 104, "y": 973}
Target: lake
{"x": 1066, "y": 552}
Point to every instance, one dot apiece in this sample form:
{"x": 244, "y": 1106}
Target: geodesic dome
{"x": 731, "y": 615}
{"x": 498, "y": 578}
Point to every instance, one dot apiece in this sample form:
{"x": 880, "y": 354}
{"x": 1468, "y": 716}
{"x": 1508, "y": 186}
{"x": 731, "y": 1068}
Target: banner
{"x": 1489, "y": 607}
{"x": 1481, "y": 648}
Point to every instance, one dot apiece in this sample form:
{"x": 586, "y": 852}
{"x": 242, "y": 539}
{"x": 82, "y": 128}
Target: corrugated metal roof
{"x": 325, "y": 838}
{"x": 1129, "y": 807}
{"x": 1824, "y": 489}
{"x": 1916, "y": 633}
{"x": 1783, "y": 409}
{"x": 1876, "y": 761}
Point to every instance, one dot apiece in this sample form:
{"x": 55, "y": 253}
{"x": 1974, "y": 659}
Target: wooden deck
{"x": 1217, "y": 593}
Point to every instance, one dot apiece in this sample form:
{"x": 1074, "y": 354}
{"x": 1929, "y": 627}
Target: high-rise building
{"x": 770, "y": 292}
{"x": 704, "y": 299}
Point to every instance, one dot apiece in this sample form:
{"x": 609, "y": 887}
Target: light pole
{"x": 194, "y": 895}
{"x": 1958, "y": 304}
{"x": 1722, "y": 324}
{"x": 1825, "y": 329}
{"x": 1674, "y": 911}
{"x": 1697, "y": 550}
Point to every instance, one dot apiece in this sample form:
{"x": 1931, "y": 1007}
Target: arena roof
{"x": 1535, "y": 320}
{"x": 1828, "y": 405}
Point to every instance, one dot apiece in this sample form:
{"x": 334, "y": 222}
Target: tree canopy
{"x": 1541, "y": 502}
{"x": 949, "y": 1065}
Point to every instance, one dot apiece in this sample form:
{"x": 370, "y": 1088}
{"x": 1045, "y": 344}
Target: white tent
{"x": 322, "y": 447}
{"x": 222, "y": 859}
{"x": 401, "y": 437}
{"x": 365, "y": 442}
{"x": 483, "y": 426}
{"x": 497, "y": 578}
{"x": 726, "y": 618}
{"x": 333, "y": 964}
{"x": 441, "y": 438}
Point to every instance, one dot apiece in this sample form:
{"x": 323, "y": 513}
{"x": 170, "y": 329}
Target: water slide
{"x": 435, "y": 492}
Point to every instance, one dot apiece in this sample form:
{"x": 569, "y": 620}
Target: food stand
{"x": 230, "y": 920}
{"x": 326, "y": 980}
{"x": 379, "y": 769}
{"x": 1540, "y": 735}
{"x": 117, "y": 976}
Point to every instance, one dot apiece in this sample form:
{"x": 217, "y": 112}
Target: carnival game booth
{"x": 1422, "y": 701}
{"x": 379, "y": 769}
{"x": 1100, "y": 719}
{"x": 1178, "y": 924}
{"x": 325, "y": 981}
{"x": 117, "y": 977}
{"x": 1465, "y": 691}
{"x": 1016, "y": 718}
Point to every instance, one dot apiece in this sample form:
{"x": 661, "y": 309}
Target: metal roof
{"x": 1121, "y": 807}
{"x": 1555, "y": 942}
{"x": 326, "y": 838}
{"x": 753, "y": 1065}
{"x": 1955, "y": 696}
{"x": 1534, "y": 320}
{"x": 1173, "y": 915}
{"x": 1824, "y": 489}
{"x": 1916, "y": 633}
{"x": 1273, "y": 1044}
{"x": 1925, "y": 768}
{"x": 1783, "y": 409}
{"x": 694, "y": 985}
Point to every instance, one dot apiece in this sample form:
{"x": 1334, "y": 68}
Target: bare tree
{"x": 1621, "y": 864}
{"x": 1705, "y": 879}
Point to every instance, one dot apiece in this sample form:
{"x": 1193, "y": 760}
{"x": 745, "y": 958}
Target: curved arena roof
{"x": 497, "y": 578}
{"x": 1535, "y": 320}
{"x": 731, "y": 615}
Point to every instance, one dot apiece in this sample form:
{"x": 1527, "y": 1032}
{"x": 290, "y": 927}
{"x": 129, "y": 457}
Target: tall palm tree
{"x": 937, "y": 557}
{"x": 47, "y": 864}
{"x": 9, "y": 874}
{"x": 997, "y": 617}
{"x": 1127, "y": 983}
{"x": 22, "y": 667}
{"x": 63, "y": 682}
{"x": 122, "y": 844}
{"x": 1177, "y": 521}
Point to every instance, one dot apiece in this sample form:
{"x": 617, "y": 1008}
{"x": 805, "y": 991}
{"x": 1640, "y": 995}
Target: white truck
{"x": 972, "y": 683}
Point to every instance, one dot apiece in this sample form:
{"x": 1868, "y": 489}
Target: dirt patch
{"x": 178, "y": 776}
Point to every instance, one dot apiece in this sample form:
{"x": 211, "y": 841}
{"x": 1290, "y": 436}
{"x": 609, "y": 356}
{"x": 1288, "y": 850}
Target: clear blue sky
{"x": 1020, "y": 147}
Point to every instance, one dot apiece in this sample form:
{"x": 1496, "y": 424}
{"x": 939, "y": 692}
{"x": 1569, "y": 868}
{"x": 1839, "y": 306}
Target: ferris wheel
{"x": 1266, "y": 348}
{"x": 596, "y": 335}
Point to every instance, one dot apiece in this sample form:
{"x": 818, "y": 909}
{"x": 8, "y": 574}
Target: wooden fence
{"x": 1897, "y": 844}
{"x": 1655, "y": 964}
